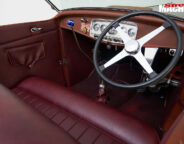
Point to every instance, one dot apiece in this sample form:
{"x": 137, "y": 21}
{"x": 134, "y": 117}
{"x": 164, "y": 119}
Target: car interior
{"x": 93, "y": 76}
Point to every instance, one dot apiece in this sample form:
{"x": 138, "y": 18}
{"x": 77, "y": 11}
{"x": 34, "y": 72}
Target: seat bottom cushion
{"x": 84, "y": 119}
{"x": 81, "y": 130}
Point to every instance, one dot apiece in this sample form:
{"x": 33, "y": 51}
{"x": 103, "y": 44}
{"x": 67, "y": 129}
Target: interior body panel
{"x": 49, "y": 68}
{"x": 48, "y": 38}
{"x": 143, "y": 23}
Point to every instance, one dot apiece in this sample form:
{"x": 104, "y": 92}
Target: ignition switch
{"x": 85, "y": 30}
{"x": 84, "y": 25}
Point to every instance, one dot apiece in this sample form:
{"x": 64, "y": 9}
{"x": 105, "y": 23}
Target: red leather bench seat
{"x": 83, "y": 119}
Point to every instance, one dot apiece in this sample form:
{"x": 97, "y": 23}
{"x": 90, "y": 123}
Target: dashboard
{"x": 90, "y": 23}
{"x": 97, "y": 26}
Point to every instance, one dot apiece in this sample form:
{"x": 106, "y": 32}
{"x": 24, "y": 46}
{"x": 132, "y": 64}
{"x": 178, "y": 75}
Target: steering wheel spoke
{"x": 144, "y": 63}
{"x": 152, "y": 34}
{"x": 125, "y": 37}
{"x": 115, "y": 59}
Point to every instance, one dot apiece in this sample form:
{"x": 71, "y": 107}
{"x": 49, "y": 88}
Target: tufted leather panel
{"x": 85, "y": 120}
{"x": 21, "y": 124}
{"x": 82, "y": 131}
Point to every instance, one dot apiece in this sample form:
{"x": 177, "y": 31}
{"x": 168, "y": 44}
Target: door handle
{"x": 35, "y": 29}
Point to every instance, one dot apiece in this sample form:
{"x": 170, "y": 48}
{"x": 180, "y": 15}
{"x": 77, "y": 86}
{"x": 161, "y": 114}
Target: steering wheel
{"x": 133, "y": 48}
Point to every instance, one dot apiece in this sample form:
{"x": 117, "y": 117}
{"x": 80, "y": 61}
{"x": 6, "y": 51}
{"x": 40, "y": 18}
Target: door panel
{"x": 15, "y": 32}
{"x": 24, "y": 53}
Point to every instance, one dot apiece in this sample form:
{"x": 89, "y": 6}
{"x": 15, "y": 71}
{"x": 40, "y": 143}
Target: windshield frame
{"x": 117, "y": 9}
{"x": 53, "y": 6}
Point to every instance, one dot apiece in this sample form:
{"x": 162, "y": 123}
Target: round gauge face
{"x": 113, "y": 31}
{"x": 96, "y": 27}
{"x": 102, "y": 27}
{"x": 124, "y": 29}
{"x": 131, "y": 32}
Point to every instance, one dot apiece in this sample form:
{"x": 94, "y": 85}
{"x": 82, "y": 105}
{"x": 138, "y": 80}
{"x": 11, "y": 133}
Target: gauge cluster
{"x": 98, "y": 25}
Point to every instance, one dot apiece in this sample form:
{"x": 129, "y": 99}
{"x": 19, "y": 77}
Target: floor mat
{"x": 146, "y": 107}
{"x": 149, "y": 108}
{"x": 89, "y": 87}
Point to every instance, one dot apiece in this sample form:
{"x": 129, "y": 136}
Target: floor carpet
{"x": 147, "y": 107}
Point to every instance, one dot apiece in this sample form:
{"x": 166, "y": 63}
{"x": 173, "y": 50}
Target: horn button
{"x": 132, "y": 47}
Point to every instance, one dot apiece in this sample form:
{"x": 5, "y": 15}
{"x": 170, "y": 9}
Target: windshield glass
{"x": 172, "y": 7}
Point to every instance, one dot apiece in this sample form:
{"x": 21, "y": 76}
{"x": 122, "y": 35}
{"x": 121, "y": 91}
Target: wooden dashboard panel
{"x": 146, "y": 24}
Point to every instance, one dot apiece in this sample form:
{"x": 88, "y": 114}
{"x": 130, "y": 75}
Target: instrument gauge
{"x": 96, "y": 27}
{"x": 124, "y": 29}
{"x": 113, "y": 31}
{"x": 131, "y": 32}
{"x": 102, "y": 27}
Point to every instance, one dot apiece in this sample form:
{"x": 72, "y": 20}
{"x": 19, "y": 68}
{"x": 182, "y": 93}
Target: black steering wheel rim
{"x": 162, "y": 74}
